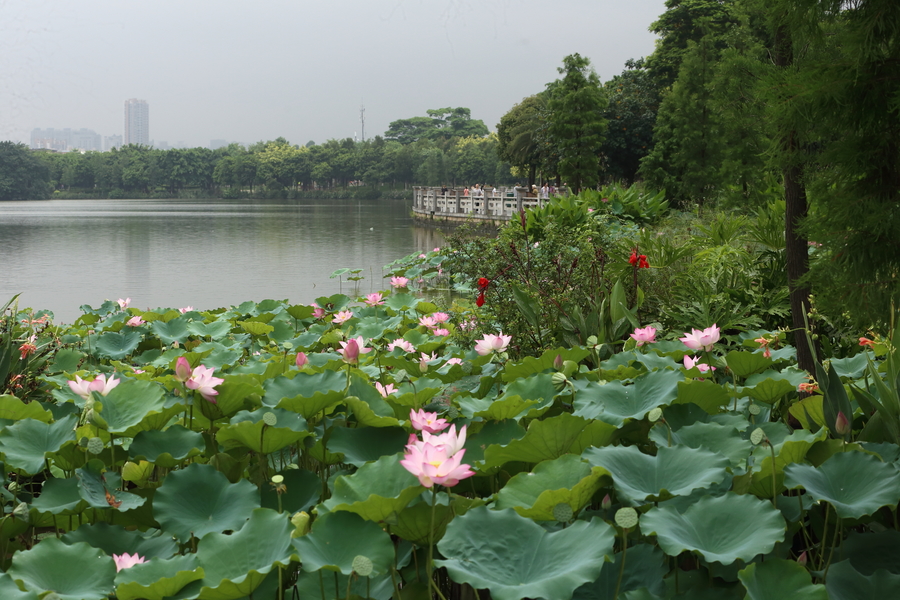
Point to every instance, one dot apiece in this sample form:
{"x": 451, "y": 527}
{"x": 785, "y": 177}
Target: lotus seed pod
{"x": 754, "y": 409}
{"x": 270, "y": 419}
{"x": 362, "y": 565}
{"x": 452, "y": 413}
{"x": 287, "y": 345}
{"x": 14, "y": 486}
{"x": 626, "y": 518}
{"x": 83, "y": 442}
{"x": 559, "y": 381}
{"x": 21, "y": 512}
{"x": 300, "y": 521}
{"x": 466, "y": 367}
{"x": 757, "y": 437}
{"x": 654, "y": 415}
{"x": 562, "y": 512}
{"x": 276, "y": 479}
{"x": 95, "y": 445}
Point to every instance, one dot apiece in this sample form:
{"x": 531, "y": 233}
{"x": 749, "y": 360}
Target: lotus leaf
{"x": 166, "y": 448}
{"x": 723, "y": 529}
{"x": 360, "y": 445}
{"x": 126, "y": 406}
{"x": 640, "y": 478}
{"x": 745, "y": 364}
{"x": 199, "y": 500}
{"x": 117, "y": 345}
{"x": 530, "y": 365}
{"x": 306, "y": 394}
{"x": 846, "y": 583}
{"x": 868, "y": 552}
{"x": 115, "y": 539}
{"x": 778, "y": 579}
{"x": 313, "y": 585}
{"x": 27, "y": 443}
{"x": 645, "y": 567}
{"x": 238, "y": 392}
{"x": 706, "y": 394}
{"x": 249, "y": 430}
{"x": 157, "y": 579}
{"x": 60, "y": 497}
{"x": 376, "y": 492}
{"x": 516, "y": 558}
{"x": 10, "y": 591}
{"x": 337, "y": 538}
{"x": 617, "y": 403}
{"x": 303, "y": 489}
{"x": 172, "y": 331}
{"x": 74, "y": 572}
{"x": 100, "y": 493}
{"x": 215, "y": 330}
{"x": 856, "y": 484}
{"x": 725, "y": 440}
{"x": 413, "y": 523}
{"x": 13, "y": 409}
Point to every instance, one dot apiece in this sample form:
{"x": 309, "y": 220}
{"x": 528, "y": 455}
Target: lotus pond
{"x": 363, "y": 448}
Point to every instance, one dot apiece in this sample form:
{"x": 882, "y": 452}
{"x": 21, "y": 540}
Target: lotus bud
{"x": 802, "y": 558}
{"x": 606, "y": 503}
{"x": 351, "y": 352}
{"x": 300, "y": 521}
{"x": 302, "y": 360}
{"x": 182, "y": 369}
{"x": 558, "y": 362}
{"x": 841, "y": 424}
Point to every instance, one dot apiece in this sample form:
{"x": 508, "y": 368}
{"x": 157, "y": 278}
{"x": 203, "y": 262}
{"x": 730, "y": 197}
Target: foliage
{"x": 22, "y": 175}
{"x": 440, "y": 124}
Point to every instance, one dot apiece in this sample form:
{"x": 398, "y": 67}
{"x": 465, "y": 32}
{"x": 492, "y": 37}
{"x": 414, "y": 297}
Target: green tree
{"x": 440, "y": 124}
{"x": 23, "y": 176}
{"x": 576, "y": 121}
{"x": 519, "y": 140}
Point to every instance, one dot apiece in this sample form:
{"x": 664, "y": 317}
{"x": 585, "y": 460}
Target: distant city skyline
{"x": 137, "y": 122}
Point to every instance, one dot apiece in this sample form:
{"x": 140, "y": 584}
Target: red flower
{"x": 480, "y": 300}
{"x": 634, "y": 258}
{"x": 639, "y": 260}
{"x": 483, "y": 282}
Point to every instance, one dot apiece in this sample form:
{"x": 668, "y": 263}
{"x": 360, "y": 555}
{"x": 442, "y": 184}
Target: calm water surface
{"x": 61, "y": 254}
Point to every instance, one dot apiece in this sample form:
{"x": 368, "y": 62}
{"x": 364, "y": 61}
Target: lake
{"x": 61, "y": 254}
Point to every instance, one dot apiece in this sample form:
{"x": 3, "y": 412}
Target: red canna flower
{"x": 483, "y": 282}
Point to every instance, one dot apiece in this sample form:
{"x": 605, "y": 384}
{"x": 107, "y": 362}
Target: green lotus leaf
{"x": 706, "y": 394}
{"x": 367, "y": 417}
{"x": 10, "y": 591}
{"x": 300, "y": 311}
{"x": 549, "y": 439}
{"x": 313, "y": 585}
{"x": 215, "y": 330}
{"x": 566, "y": 480}
{"x": 27, "y": 443}
{"x": 778, "y": 579}
{"x": 256, "y": 328}
{"x": 869, "y": 552}
{"x": 60, "y": 497}
{"x": 66, "y": 361}
{"x": 376, "y": 492}
{"x": 234, "y": 565}
{"x": 753, "y": 527}
{"x": 403, "y": 301}
{"x": 166, "y": 448}
{"x": 725, "y": 440}
{"x": 13, "y": 409}
{"x": 856, "y": 484}
{"x": 852, "y": 367}
{"x": 516, "y": 558}
{"x": 199, "y": 500}
{"x": 76, "y": 572}
{"x": 531, "y": 365}
{"x": 413, "y": 523}
{"x": 100, "y": 493}
{"x": 789, "y": 449}
{"x": 306, "y": 394}
{"x": 745, "y": 364}
{"x": 117, "y": 346}
{"x": 538, "y": 387}
{"x": 175, "y": 330}
{"x": 337, "y": 538}
{"x": 810, "y": 411}
{"x": 303, "y": 489}
{"x": 157, "y": 579}
{"x": 127, "y": 405}
{"x": 645, "y": 567}
{"x": 492, "y": 433}
{"x": 509, "y": 407}
{"x": 360, "y": 445}
{"x": 654, "y": 361}
{"x": 640, "y": 478}
{"x": 236, "y": 393}
{"x": 115, "y": 539}
{"x": 248, "y": 430}
{"x": 616, "y": 402}
{"x": 769, "y": 391}
{"x": 846, "y": 583}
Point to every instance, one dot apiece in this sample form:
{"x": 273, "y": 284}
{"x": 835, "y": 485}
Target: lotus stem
{"x": 774, "y": 488}
{"x": 622, "y": 566}
{"x": 834, "y": 539}
{"x": 824, "y": 537}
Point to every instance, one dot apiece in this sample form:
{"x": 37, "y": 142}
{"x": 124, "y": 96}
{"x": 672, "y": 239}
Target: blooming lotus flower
{"x": 696, "y": 339}
{"x": 454, "y": 361}
{"x": 135, "y": 322}
{"x": 352, "y": 348}
{"x": 402, "y": 344}
{"x": 440, "y": 331}
{"x": 186, "y": 309}
{"x": 385, "y": 390}
{"x": 427, "y": 421}
{"x": 647, "y": 335}
{"x": 99, "y": 384}
{"x": 428, "y": 322}
{"x": 123, "y": 304}
{"x": 433, "y": 465}
{"x": 424, "y": 359}
{"x": 440, "y": 317}
{"x": 302, "y": 360}
{"x": 319, "y": 312}
{"x": 202, "y": 381}
{"x": 492, "y": 343}
{"x": 125, "y": 561}
{"x": 374, "y": 299}
{"x": 692, "y": 361}
{"x": 399, "y": 282}
{"x": 342, "y": 317}
{"x": 182, "y": 369}
{"x": 449, "y": 440}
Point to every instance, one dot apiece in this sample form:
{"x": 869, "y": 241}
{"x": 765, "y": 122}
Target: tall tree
{"x": 576, "y": 121}
{"x": 440, "y": 124}
{"x": 23, "y": 176}
{"x": 519, "y": 135}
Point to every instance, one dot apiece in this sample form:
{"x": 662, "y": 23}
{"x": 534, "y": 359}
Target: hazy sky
{"x": 248, "y": 71}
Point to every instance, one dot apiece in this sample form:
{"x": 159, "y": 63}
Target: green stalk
{"x": 774, "y": 488}
{"x": 837, "y": 529}
{"x": 428, "y": 565}
{"x": 622, "y": 566}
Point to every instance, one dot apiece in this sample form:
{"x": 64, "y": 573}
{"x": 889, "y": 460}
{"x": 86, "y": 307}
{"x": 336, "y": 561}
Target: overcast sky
{"x": 249, "y": 71}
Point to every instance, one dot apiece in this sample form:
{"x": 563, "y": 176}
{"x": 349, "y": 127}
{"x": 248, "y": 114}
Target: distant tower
{"x": 362, "y": 120}
{"x": 137, "y": 122}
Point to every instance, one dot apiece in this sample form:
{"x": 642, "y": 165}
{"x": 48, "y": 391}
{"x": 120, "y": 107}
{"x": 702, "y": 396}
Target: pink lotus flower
{"x": 492, "y": 343}
{"x": 441, "y": 332}
{"x": 402, "y": 344}
{"x": 399, "y": 282}
{"x": 182, "y": 369}
{"x": 427, "y": 421}
{"x": 440, "y": 317}
{"x": 352, "y": 348}
{"x": 125, "y": 561}
{"x": 202, "y": 380}
{"x": 186, "y": 309}
{"x": 342, "y": 317}
{"x": 697, "y": 340}
{"x": 135, "y": 322}
{"x": 374, "y": 299}
{"x": 99, "y": 384}
{"x": 691, "y": 361}
{"x": 123, "y": 304}
{"x": 424, "y": 360}
{"x": 647, "y": 335}
{"x": 385, "y": 390}
{"x": 428, "y": 322}
{"x": 433, "y": 465}
{"x": 454, "y": 361}
{"x": 449, "y": 440}
{"x": 318, "y": 312}
{"x": 302, "y": 360}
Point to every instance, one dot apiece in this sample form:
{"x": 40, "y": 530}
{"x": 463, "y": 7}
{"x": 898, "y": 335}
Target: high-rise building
{"x": 137, "y": 122}
{"x": 64, "y": 140}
